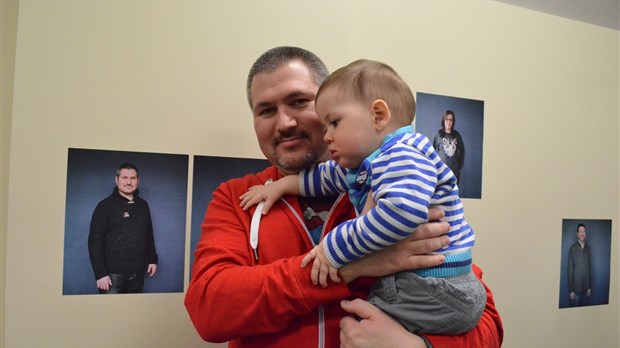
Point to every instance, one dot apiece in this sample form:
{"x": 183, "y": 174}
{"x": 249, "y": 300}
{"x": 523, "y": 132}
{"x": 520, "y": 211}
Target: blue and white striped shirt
{"x": 404, "y": 177}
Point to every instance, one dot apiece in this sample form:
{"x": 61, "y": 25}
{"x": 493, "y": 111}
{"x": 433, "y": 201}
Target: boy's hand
{"x": 309, "y": 257}
{"x": 268, "y": 193}
{"x": 321, "y": 268}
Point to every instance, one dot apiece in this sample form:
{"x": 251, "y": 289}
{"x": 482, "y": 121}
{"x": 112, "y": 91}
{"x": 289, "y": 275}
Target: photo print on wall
{"x": 98, "y": 216}
{"x": 455, "y": 126}
{"x": 209, "y": 173}
{"x": 585, "y": 262}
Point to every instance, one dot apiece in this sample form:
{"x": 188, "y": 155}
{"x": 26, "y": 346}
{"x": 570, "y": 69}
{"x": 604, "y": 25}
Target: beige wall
{"x": 8, "y": 32}
{"x": 168, "y": 76}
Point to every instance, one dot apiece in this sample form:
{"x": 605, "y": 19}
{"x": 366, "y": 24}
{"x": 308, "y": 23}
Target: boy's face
{"x": 350, "y": 131}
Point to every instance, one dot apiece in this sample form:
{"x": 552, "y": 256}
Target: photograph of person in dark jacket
{"x": 585, "y": 264}
{"x": 436, "y": 109}
{"x": 579, "y": 270}
{"x": 449, "y": 144}
{"x": 121, "y": 243}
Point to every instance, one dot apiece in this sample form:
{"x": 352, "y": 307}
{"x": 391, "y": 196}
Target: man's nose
{"x": 286, "y": 119}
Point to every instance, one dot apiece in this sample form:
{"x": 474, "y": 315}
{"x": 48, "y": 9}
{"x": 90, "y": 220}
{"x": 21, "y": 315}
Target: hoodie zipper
{"x": 254, "y": 227}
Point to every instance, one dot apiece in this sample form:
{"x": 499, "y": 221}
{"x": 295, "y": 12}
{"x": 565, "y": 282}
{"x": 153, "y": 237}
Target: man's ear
{"x": 381, "y": 114}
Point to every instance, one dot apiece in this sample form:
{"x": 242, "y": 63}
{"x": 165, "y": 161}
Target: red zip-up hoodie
{"x": 270, "y": 301}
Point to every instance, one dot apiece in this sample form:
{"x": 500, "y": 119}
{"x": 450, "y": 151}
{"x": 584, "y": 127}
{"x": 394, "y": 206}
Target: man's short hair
{"x": 278, "y": 56}
{"x": 581, "y": 224}
{"x": 127, "y": 165}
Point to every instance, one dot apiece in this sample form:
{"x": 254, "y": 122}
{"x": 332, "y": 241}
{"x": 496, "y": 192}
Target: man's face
{"x": 127, "y": 181}
{"x": 288, "y": 130}
{"x": 581, "y": 234}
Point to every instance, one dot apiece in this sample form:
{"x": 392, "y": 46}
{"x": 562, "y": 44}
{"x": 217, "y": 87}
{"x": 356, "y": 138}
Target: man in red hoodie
{"x": 247, "y": 285}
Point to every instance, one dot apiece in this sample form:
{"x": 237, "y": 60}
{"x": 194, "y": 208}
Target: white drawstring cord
{"x": 255, "y": 223}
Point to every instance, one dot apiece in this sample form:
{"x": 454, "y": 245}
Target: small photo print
{"x": 585, "y": 262}
{"x": 125, "y": 219}
{"x": 209, "y": 173}
{"x": 455, "y": 126}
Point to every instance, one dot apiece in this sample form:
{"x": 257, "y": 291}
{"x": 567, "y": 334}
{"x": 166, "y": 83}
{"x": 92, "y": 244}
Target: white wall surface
{"x": 169, "y": 76}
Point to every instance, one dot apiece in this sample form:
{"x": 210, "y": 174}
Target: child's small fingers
{"x": 246, "y": 203}
{"x": 306, "y": 260}
{"x": 314, "y": 275}
{"x": 266, "y": 207}
{"x": 333, "y": 275}
{"x": 323, "y": 273}
{"x": 309, "y": 257}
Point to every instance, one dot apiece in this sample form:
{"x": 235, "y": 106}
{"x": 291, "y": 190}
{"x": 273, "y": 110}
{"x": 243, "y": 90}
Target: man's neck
{"x": 128, "y": 196}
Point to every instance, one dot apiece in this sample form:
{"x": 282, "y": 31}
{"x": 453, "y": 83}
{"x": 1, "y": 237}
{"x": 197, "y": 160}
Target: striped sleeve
{"x": 323, "y": 179}
{"x": 403, "y": 182}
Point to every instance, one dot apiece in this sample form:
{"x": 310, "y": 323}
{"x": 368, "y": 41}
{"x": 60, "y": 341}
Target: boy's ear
{"x": 381, "y": 114}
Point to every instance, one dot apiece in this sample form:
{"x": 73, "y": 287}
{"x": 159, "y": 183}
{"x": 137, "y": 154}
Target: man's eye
{"x": 300, "y": 102}
{"x": 265, "y": 112}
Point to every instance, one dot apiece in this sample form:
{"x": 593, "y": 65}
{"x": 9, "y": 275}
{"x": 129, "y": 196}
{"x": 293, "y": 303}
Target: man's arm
{"x": 571, "y": 275}
{"x": 370, "y": 327}
{"x": 589, "y": 290}
{"x": 96, "y": 240}
{"x": 409, "y": 253}
{"x": 373, "y": 328}
{"x": 248, "y": 298}
{"x": 461, "y": 146}
{"x": 151, "y": 251}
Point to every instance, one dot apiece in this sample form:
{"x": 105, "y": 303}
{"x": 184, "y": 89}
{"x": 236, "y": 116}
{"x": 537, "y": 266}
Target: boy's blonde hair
{"x": 367, "y": 80}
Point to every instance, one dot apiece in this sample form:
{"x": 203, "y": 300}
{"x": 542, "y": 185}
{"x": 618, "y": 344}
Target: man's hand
{"x": 104, "y": 283}
{"x": 410, "y": 253}
{"x": 152, "y": 269}
{"x": 373, "y": 328}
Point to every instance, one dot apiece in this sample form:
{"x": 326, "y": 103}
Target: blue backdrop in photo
{"x": 469, "y": 121}
{"x": 209, "y": 173}
{"x": 163, "y": 184}
{"x": 598, "y": 237}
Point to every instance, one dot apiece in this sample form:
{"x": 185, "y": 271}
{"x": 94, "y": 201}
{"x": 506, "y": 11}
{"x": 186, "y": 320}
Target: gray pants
{"x": 447, "y": 306}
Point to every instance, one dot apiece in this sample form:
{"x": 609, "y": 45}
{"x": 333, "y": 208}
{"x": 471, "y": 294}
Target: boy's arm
{"x": 324, "y": 179}
{"x": 270, "y": 192}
